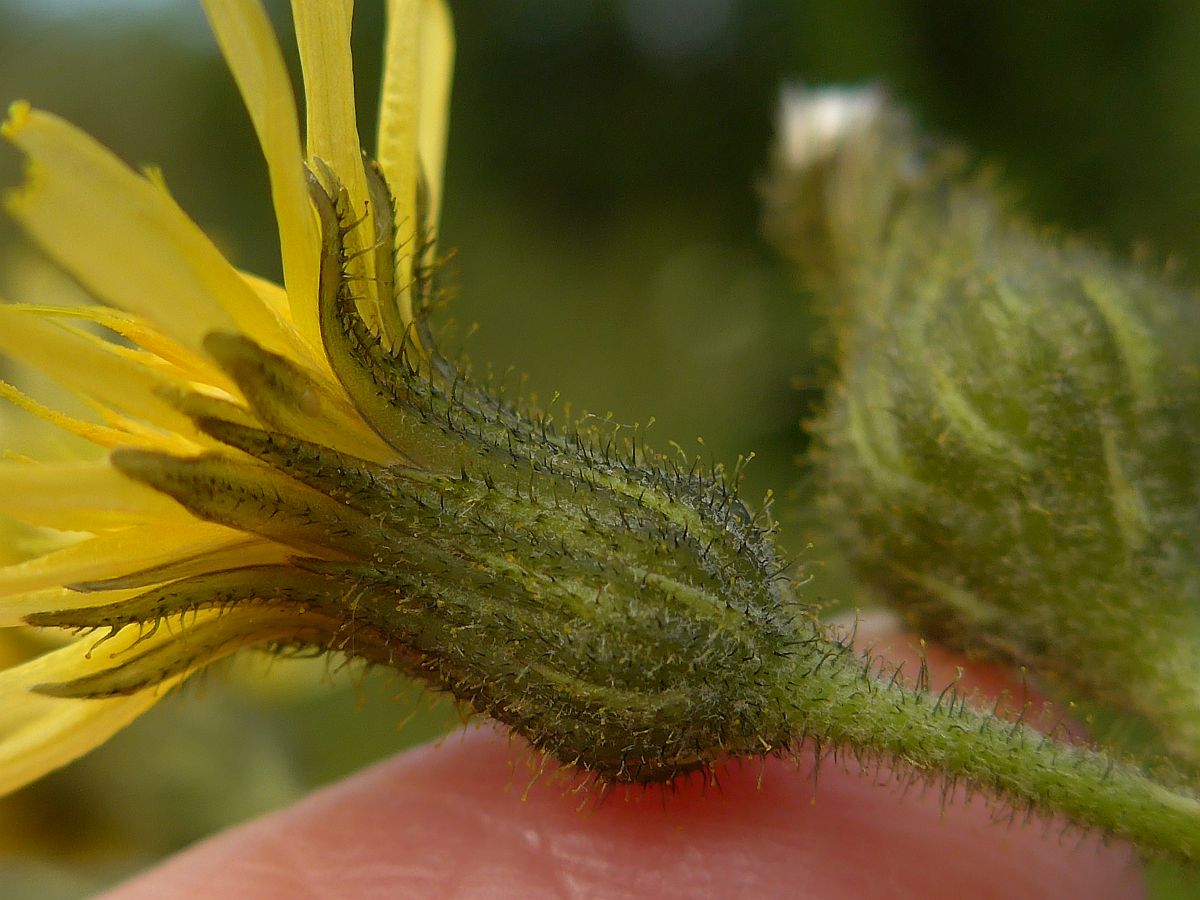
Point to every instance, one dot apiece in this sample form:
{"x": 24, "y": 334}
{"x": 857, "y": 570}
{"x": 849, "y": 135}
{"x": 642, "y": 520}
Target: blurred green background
{"x": 601, "y": 191}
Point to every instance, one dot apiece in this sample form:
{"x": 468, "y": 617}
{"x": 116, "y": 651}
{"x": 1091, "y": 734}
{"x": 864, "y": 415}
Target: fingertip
{"x": 470, "y": 818}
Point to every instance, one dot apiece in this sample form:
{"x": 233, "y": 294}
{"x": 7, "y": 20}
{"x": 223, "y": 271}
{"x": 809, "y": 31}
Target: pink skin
{"x": 463, "y": 820}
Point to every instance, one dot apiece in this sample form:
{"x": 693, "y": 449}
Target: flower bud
{"x": 1010, "y": 449}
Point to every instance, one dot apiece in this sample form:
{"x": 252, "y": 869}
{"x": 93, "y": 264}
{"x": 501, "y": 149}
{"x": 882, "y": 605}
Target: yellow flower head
{"x": 203, "y": 342}
{"x": 302, "y": 468}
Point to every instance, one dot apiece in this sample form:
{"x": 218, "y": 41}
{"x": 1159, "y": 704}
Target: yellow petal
{"x": 183, "y": 361}
{"x": 400, "y": 106}
{"x": 323, "y": 36}
{"x": 437, "y": 67}
{"x": 413, "y": 114}
{"x": 135, "y": 550}
{"x": 13, "y": 610}
{"x": 91, "y": 366}
{"x": 142, "y": 658}
{"x": 252, "y": 52}
{"x": 101, "y": 435}
{"x": 81, "y": 497}
{"x": 139, "y": 434}
{"x": 39, "y": 734}
{"x": 234, "y": 554}
{"x": 272, "y": 295}
{"x": 125, "y": 239}
{"x": 396, "y": 147}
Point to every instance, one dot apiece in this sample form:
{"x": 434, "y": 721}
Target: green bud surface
{"x": 1010, "y": 450}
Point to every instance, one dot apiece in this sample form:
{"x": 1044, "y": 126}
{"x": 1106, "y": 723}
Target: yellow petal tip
{"x": 17, "y": 198}
{"x": 18, "y": 115}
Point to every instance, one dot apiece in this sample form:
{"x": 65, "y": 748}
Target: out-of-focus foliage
{"x": 601, "y": 191}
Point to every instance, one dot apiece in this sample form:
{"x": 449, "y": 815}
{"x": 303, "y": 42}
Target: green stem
{"x": 941, "y": 736}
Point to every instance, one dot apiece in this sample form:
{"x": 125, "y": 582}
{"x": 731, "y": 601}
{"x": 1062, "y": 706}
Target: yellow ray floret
{"x": 138, "y": 548}
{"x": 119, "y": 378}
{"x": 80, "y": 497}
{"x": 414, "y": 107}
{"x": 38, "y": 734}
{"x": 323, "y": 36}
{"x": 180, "y": 334}
{"x": 126, "y": 240}
{"x": 46, "y": 727}
{"x": 248, "y": 42}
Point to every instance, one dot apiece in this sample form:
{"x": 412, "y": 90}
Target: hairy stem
{"x": 943, "y": 736}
